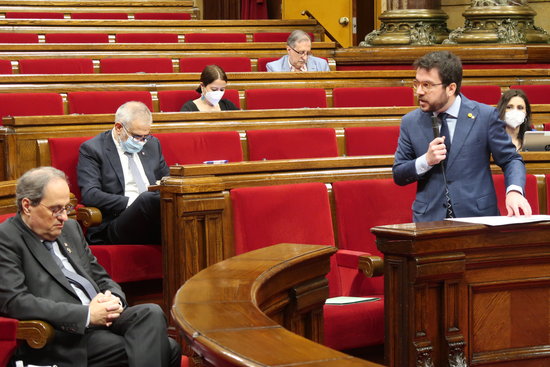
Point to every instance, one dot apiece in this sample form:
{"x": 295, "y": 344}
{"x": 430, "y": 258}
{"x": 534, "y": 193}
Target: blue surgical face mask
{"x": 131, "y": 145}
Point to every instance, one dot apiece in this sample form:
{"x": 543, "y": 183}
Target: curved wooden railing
{"x": 249, "y": 309}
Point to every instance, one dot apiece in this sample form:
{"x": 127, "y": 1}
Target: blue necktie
{"x": 72, "y": 277}
{"x": 447, "y": 134}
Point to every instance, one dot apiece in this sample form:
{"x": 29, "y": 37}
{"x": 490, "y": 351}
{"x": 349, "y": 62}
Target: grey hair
{"x": 32, "y": 183}
{"x": 132, "y": 111}
{"x": 297, "y": 36}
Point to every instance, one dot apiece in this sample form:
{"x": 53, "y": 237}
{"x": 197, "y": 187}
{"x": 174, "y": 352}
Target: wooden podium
{"x": 466, "y": 295}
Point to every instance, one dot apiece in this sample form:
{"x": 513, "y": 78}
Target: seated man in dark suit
{"x": 114, "y": 170}
{"x": 299, "y": 58}
{"x": 47, "y": 272}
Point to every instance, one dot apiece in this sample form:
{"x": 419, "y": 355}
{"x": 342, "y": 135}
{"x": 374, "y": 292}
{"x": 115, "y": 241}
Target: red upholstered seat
{"x": 136, "y": 65}
{"x": 273, "y": 36}
{"x": 18, "y": 38}
{"x": 537, "y": 94}
{"x": 373, "y": 97}
{"x": 30, "y": 104}
{"x": 34, "y": 15}
{"x": 3, "y": 217}
{"x": 173, "y": 100}
{"x": 198, "y": 147}
{"x": 99, "y": 16}
{"x": 147, "y": 38}
{"x": 162, "y": 16}
{"x": 291, "y": 143}
{"x": 77, "y": 38}
{"x": 105, "y": 102}
{"x": 300, "y": 213}
{"x": 488, "y": 94}
{"x": 531, "y": 193}
{"x": 5, "y": 67}
{"x": 262, "y": 61}
{"x": 56, "y": 66}
{"x": 8, "y": 341}
{"x": 228, "y": 64}
{"x": 259, "y": 99}
{"x": 214, "y": 37}
{"x": 371, "y": 140}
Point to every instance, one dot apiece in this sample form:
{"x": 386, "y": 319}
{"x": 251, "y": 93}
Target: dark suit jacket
{"x": 100, "y": 176}
{"x": 33, "y": 287}
{"x": 478, "y": 134}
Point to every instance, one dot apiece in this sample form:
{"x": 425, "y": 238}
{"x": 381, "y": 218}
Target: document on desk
{"x": 502, "y": 220}
{"x": 345, "y": 300}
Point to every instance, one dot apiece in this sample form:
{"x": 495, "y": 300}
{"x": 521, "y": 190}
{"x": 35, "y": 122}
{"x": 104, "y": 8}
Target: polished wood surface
{"x": 249, "y": 310}
{"x": 474, "y": 294}
{"x": 35, "y": 333}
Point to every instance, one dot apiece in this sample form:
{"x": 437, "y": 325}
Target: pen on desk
{"x": 220, "y": 161}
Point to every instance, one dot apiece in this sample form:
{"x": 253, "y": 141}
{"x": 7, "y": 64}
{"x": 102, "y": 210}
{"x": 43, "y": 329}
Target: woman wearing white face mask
{"x": 515, "y": 110}
{"x": 212, "y": 88}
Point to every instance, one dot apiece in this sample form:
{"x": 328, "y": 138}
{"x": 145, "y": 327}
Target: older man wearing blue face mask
{"x": 114, "y": 171}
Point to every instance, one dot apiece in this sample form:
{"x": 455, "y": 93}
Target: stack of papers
{"x": 342, "y": 300}
{"x": 502, "y": 220}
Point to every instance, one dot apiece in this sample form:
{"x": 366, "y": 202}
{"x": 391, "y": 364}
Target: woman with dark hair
{"x": 515, "y": 110}
{"x": 212, "y": 88}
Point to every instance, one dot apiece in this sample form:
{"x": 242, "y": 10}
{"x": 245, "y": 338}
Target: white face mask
{"x": 514, "y": 118}
{"x": 214, "y": 96}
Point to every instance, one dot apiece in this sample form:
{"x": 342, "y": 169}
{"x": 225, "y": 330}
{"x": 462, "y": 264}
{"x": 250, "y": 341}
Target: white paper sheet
{"x": 502, "y": 220}
{"x": 344, "y": 300}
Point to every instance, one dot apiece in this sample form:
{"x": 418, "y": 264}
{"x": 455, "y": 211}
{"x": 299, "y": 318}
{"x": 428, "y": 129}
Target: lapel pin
{"x": 470, "y": 115}
{"x": 68, "y": 248}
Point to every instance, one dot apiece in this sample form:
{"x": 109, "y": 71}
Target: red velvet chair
{"x": 18, "y": 38}
{"x": 136, "y": 65}
{"x": 262, "y": 61}
{"x": 488, "y": 94}
{"x": 300, "y": 213}
{"x": 291, "y": 143}
{"x": 105, "y": 101}
{"x": 198, "y": 147}
{"x": 173, "y": 100}
{"x": 373, "y": 97}
{"x": 147, "y": 38}
{"x": 99, "y": 16}
{"x": 56, "y": 66}
{"x": 371, "y": 140}
{"x": 214, "y": 37}
{"x": 531, "y": 193}
{"x": 33, "y": 15}
{"x": 5, "y": 67}
{"x": 228, "y": 64}
{"x": 162, "y": 16}
{"x": 8, "y": 340}
{"x": 537, "y": 94}
{"x": 279, "y": 98}
{"x": 77, "y": 38}
{"x": 30, "y": 104}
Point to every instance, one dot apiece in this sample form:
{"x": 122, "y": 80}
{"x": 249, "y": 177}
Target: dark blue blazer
{"x": 479, "y": 134}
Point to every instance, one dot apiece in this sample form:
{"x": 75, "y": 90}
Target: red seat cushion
{"x": 371, "y": 140}
{"x": 5, "y": 67}
{"x": 488, "y": 94}
{"x": 77, "y": 38}
{"x": 258, "y": 99}
{"x": 214, "y": 37}
{"x": 30, "y": 104}
{"x": 99, "y": 16}
{"x": 537, "y": 94}
{"x": 197, "y": 147}
{"x": 291, "y": 143}
{"x": 373, "y": 97}
{"x": 8, "y": 341}
{"x": 105, "y": 102}
{"x": 228, "y": 64}
{"x": 173, "y": 100}
{"x": 56, "y": 66}
{"x": 531, "y": 193}
{"x": 18, "y": 38}
{"x": 162, "y": 16}
{"x": 147, "y": 38}
{"x": 34, "y": 15}
{"x": 262, "y": 61}
{"x": 136, "y": 65}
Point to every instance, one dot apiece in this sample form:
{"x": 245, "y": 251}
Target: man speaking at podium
{"x": 446, "y": 146}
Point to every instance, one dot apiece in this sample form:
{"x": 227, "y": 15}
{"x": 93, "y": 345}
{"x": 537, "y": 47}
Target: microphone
{"x": 435, "y": 129}
{"x": 435, "y": 126}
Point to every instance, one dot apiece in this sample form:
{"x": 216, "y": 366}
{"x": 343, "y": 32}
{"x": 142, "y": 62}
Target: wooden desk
{"x": 461, "y": 293}
{"x": 245, "y": 310}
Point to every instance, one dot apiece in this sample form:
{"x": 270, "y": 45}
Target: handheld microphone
{"x": 435, "y": 129}
{"x": 435, "y": 126}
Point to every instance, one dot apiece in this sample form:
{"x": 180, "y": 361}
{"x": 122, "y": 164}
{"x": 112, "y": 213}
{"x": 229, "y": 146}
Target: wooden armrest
{"x": 36, "y": 333}
{"x": 89, "y": 216}
{"x": 371, "y": 266}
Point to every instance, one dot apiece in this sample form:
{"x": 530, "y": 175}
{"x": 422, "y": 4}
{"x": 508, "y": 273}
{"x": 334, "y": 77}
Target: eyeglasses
{"x": 140, "y": 138}
{"x": 426, "y": 86}
{"x": 301, "y": 53}
{"x": 59, "y": 210}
